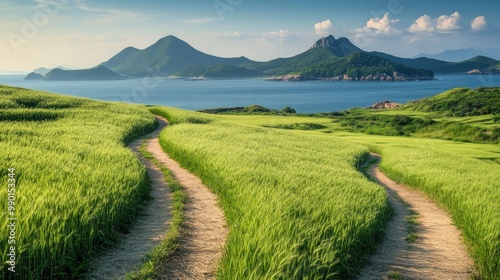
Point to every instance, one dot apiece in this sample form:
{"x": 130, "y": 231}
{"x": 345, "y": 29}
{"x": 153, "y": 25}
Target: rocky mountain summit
{"x": 340, "y": 47}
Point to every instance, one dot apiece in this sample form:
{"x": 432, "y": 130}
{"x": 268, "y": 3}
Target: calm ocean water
{"x": 305, "y": 97}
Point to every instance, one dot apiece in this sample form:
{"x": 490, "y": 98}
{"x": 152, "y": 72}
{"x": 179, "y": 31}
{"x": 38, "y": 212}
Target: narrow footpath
{"x": 437, "y": 253}
{"x": 148, "y": 232}
{"x": 204, "y": 233}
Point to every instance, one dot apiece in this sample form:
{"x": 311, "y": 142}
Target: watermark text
{"x": 11, "y": 218}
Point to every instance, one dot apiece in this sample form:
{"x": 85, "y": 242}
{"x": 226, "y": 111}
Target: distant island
{"x": 93, "y": 74}
{"x": 327, "y": 59}
{"x": 34, "y": 76}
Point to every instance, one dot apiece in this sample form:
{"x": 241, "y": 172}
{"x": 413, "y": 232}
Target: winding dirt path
{"x": 202, "y": 243}
{"x": 147, "y": 233}
{"x": 438, "y": 252}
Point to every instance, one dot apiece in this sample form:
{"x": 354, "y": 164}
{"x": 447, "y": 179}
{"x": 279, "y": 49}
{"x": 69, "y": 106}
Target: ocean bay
{"x": 305, "y": 97}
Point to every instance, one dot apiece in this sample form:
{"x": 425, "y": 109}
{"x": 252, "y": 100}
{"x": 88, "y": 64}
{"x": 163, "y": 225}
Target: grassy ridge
{"x": 461, "y": 102}
{"x": 77, "y": 184}
{"x": 296, "y": 205}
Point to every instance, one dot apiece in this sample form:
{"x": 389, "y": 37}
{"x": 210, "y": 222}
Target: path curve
{"x": 147, "y": 233}
{"x": 205, "y": 234}
{"x": 438, "y": 252}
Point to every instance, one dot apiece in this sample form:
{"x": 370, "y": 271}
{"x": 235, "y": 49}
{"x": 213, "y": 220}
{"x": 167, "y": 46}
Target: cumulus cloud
{"x": 423, "y": 24}
{"x": 324, "y": 27}
{"x": 444, "y": 23}
{"x": 449, "y": 23}
{"x": 384, "y": 26}
{"x": 478, "y": 23}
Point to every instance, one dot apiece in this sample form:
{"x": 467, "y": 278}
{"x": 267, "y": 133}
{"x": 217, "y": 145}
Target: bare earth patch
{"x": 201, "y": 246}
{"x": 437, "y": 253}
{"x": 146, "y": 234}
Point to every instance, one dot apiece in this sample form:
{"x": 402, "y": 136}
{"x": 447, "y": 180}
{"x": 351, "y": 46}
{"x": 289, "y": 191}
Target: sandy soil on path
{"x": 438, "y": 252}
{"x": 146, "y": 234}
{"x": 205, "y": 233}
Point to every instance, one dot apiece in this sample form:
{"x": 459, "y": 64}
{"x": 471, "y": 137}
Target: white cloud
{"x": 324, "y": 27}
{"x": 198, "y": 20}
{"x": 449, "y": 23}
{"x": 382, "y": 26}
{"x": 444, "y": 23}
{"x": 423, "y": 24}
{"x": 478, "y": 23}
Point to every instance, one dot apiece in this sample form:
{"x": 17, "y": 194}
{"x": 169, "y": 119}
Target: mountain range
{"x": 43, "y": 71}
{"x": 463, "y": 54}
{"x": 328, "y": 58}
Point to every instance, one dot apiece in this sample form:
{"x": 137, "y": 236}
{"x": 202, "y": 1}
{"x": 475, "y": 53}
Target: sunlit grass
{"x": 77, "y": 182}
{"x": 297, "y": 207}
{"x": 461, "y": 177}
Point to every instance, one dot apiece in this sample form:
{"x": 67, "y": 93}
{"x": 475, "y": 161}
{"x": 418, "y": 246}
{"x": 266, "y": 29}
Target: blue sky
{"x": 83, "y": 33}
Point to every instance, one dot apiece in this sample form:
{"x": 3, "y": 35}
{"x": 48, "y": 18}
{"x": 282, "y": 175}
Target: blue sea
{"x": 305, "y": 97}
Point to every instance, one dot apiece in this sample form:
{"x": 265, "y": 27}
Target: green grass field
{"x": 296, "y": 205}
{"x": 77, "y": 184}
{"x": 461, "y": 177}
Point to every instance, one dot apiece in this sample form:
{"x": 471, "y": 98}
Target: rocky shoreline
{"x": 395, "y": 76}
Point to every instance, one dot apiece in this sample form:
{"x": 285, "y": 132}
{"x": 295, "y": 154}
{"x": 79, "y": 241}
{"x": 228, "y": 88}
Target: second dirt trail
{"x": 437, "y": 253}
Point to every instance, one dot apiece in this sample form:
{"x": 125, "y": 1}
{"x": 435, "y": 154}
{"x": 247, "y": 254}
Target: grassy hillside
{"x": 296, "y": 205}
{"x": 461, "y": 102}
{"x": 77, "y": 185}
{"x": 461, "y": 177}
{"x": 465, "y": 115}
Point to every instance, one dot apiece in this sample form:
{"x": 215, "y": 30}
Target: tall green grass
{"x": 462, "y": 177}
{"x": 296, "y": 206}
{"x": 77, "y": 183}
